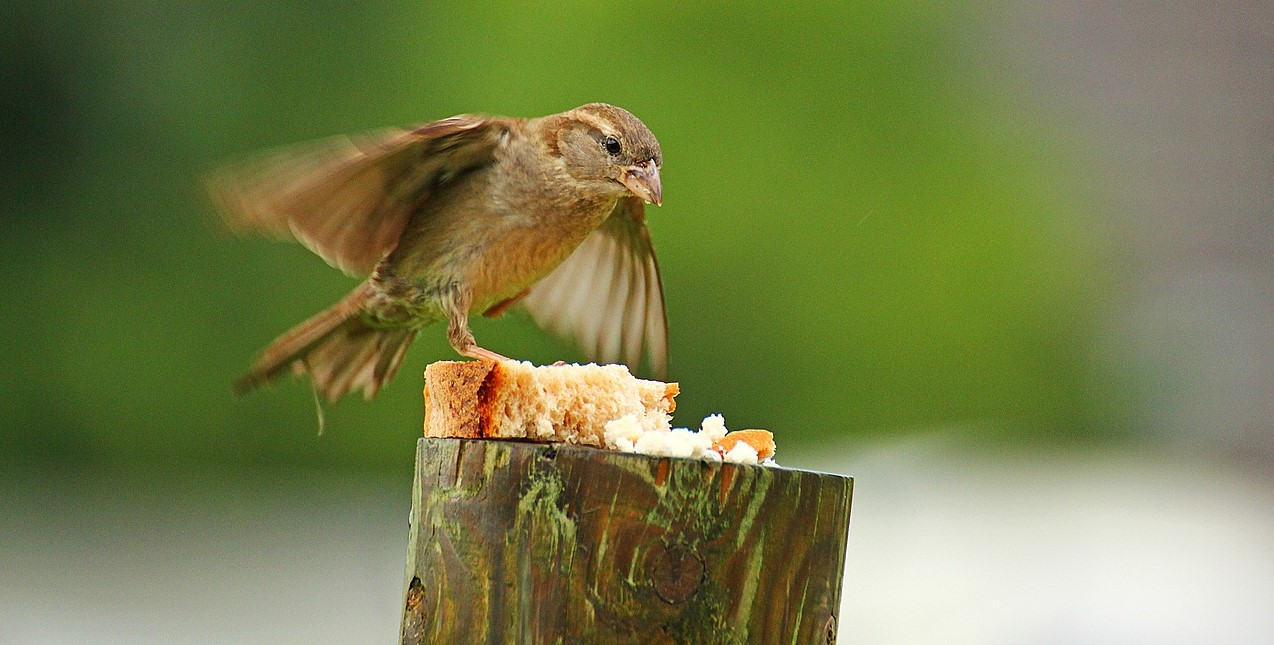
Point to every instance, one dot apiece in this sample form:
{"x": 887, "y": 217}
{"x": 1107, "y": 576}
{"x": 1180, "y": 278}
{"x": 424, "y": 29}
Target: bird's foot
{"x": 473, "y": 351}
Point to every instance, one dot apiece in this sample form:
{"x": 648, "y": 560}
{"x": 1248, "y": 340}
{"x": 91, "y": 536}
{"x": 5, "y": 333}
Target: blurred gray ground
{"x": 952, "y": 544}
{"x": 216, "y": 556}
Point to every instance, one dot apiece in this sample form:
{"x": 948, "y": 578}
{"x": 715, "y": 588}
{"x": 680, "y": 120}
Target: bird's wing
{"x": 607, "y": 294}
{"x": 348, "y": 199}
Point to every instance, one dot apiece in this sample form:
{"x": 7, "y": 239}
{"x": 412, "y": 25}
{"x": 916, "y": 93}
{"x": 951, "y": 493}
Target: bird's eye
{"x": 612, "y": 146}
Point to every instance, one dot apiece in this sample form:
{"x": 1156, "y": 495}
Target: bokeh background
{"x": 1009, "y": 266}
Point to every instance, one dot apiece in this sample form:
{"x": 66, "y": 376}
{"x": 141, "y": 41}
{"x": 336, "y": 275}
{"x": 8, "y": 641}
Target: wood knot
{"x": 675, "y": 572}
{"x": 415, "y": 618}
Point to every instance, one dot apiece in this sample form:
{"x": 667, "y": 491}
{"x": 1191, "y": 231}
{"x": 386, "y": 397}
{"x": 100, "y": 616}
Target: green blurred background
{"x": 851, "y": 244}
{"x": 883, "y": 222}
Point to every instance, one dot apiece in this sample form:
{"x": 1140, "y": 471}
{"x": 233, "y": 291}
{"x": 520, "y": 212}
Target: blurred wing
{"x": 349, "y": 198}
{"x": 607, "y": 295}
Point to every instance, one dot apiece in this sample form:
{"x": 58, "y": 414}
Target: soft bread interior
{"x": 572, "y": 403}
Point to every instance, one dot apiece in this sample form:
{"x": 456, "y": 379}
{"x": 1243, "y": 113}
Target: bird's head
{"x": 608, "y": 148}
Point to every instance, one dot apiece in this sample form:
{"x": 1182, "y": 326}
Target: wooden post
{"x": 540, "y": 543}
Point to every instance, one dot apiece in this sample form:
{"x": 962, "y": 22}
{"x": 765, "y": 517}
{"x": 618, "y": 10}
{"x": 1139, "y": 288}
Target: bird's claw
{"x": 483, "y": 354}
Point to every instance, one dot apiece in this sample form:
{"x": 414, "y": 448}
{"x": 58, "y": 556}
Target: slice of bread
{"x": 551, "y": 403}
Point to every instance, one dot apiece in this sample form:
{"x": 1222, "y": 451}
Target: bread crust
{"x": 453, "y": 399}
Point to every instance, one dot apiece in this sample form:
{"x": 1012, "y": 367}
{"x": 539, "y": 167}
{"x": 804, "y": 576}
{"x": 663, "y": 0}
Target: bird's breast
{"x": 530, "y": 249}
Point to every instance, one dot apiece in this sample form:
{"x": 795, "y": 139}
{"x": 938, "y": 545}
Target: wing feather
{"x": 348, "y": 199}
{"x": 607, "y": 295}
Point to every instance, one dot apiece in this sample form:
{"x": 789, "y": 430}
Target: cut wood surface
{"x": 540, "y": 543}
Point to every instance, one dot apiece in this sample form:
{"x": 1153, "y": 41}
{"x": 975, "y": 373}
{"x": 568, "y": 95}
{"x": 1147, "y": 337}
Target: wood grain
{"x": 538, "y": 543}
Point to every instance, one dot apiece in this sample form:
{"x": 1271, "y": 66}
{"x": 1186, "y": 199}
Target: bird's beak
{"x": 643, "y": 181}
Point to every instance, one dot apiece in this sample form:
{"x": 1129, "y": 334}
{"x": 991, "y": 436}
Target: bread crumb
{"x": 627, "y": 434}
{"x": 742, "y": 453}
{"x": 623, "y": 433}
{"x": 714, "y": 426}
{"x": 762, "y": 441}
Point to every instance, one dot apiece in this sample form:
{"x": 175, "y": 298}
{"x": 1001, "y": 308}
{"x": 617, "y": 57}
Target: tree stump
{"x": 541, "y": 543}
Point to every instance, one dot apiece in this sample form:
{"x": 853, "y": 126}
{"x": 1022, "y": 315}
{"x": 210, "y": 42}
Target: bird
{"x": 464, "y": 216}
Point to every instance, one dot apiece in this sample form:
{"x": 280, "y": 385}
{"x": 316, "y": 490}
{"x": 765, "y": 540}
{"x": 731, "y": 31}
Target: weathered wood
{"x": 534, "y": 543}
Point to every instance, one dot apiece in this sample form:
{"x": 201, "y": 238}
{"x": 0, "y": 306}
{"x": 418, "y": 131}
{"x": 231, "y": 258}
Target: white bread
{"x": 551, "y": 403}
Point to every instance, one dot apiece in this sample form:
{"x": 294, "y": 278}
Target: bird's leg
{"x": 499, "y": 308}
{"x": 458, "y": 333}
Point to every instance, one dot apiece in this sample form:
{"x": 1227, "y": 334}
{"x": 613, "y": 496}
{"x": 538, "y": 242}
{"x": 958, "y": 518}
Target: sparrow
{"x": 464, "y": 216}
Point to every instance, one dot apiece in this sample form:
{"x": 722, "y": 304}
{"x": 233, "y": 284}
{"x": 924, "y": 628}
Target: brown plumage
{"x": 458, "y": 217}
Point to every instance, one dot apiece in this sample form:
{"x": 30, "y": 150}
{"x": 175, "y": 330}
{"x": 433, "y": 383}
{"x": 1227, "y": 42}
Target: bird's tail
{"x": 338, "y": 349}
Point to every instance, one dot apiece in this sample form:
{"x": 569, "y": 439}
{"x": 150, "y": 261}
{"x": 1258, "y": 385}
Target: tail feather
{"x": 338, "y": 349}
